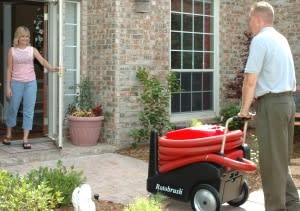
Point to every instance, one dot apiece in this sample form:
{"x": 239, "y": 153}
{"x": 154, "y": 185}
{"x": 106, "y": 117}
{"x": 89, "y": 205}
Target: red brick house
{"x": 109, "y": 40}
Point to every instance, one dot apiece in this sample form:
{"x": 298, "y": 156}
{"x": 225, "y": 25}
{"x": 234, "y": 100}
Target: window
{"x": 71, "y": 49}
{"x": 192, "y": 54}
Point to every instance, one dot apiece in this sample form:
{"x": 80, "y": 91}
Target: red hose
{"x": 179, "y": 151}
{"x": 205, "y": 141}
{"x": 168, "y": 151}
{"x": 233, "y": 154}
{"x": 243, "y": 165}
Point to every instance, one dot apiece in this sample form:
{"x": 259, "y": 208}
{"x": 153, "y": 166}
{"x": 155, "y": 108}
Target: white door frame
{"x": 6, "y": 45}
{"x": 55, "y": 17}
{"x": 57, "y": 27}
{"x": 61, "y": 76}
{"x": 55, "y": 92}
{"x": 55, "y": 54}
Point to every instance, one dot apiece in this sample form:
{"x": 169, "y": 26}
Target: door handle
{"x": 61, "y": 71}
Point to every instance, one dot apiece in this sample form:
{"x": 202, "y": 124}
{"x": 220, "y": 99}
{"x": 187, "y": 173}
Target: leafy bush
{"x": 234, "y": 87}
{"x": 61, "y": 179}
{"x": 195, "y": 123}
{"x": 153, "y": 203}
{"x": 155, "y": 98}
{"x": 19, "y": 193}
{"x": 228, "y": 112}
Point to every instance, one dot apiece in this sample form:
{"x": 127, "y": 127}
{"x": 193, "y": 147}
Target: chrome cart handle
{"x": 226, "y": 129}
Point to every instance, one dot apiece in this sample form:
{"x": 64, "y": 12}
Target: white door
{"x": 64, "y": 26}
{"x": 55, "y": 99}
{"x": 11, "y": 18}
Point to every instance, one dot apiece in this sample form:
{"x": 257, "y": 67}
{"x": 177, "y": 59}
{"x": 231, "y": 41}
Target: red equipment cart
{"x": 206, "y": 165}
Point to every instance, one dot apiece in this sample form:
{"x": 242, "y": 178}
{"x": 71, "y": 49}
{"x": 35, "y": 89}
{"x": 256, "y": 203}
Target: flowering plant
{"x": 39, "y": 29}
{"x": 83, "y": 103}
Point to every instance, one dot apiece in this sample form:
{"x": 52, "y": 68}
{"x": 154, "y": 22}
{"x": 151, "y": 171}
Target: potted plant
{"x": 84, "y": 117}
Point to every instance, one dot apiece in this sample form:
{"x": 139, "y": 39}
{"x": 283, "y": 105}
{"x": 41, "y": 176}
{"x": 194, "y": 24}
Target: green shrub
{"x": 17, "y": 193}
{"x": 153, "y": 203}
{"x": 155, "y": 98}
{"x": 233, "y": 87}
{"x": 228, "y": 112}
{"x": 195, "y": 123}
{"x": 61, "y": 179}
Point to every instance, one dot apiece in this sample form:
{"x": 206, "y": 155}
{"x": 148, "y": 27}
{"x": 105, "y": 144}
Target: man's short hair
{"x": 265, "y": 10}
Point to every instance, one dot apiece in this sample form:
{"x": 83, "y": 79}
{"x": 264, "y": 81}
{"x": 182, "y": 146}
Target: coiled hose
{"x": 190, "y": 145}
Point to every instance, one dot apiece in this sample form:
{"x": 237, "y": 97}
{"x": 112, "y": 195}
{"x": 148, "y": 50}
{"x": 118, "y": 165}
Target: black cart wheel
{"x": 243, "y": 197}
{"x": 205, "y": 198}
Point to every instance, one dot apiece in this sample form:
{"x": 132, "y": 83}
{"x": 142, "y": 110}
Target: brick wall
{"x": 233, "y": 21}
{"x": 98, "y": 50}
{"x": 287, "y": 21}
{"x": 116, "y": 40}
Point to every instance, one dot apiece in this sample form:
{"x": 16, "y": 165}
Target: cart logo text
{"x": 178, "y": 191}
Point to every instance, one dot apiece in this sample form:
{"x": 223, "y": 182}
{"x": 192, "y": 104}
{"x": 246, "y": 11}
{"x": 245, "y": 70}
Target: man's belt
{"x": 288, "y": 93}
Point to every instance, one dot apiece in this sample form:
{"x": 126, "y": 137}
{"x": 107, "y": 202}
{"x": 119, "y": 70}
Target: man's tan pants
{"x": 275, "y": 133}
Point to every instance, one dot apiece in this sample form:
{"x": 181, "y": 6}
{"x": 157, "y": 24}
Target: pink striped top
{"x": 23, "y": 68}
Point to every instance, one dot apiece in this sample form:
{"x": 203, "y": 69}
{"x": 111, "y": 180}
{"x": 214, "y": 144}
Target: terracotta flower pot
{"x": 85, "y": 131}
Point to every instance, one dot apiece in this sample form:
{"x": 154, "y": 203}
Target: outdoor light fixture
{"x": 45, "y": 1}
{"x": 142, "y": 6}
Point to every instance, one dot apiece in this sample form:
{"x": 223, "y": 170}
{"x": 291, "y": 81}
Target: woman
{"x": 21, "y": 84}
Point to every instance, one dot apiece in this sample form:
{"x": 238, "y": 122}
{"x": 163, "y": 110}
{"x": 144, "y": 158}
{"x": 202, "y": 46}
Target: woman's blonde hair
{"x": 20, "y": 31}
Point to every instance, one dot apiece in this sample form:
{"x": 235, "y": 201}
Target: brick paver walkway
{"x": 115, "y": 177}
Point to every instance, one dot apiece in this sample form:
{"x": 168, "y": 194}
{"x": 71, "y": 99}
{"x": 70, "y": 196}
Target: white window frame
{"x": 67, "y": 93}
{"x": 205, "y": 115}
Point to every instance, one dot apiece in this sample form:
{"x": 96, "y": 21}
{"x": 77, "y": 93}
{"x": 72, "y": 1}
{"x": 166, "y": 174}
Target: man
{"x": 270, "y": 79}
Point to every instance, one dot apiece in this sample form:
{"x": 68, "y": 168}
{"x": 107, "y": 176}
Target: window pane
{"x": 198, "y": 42}
{"x": 196, "y": 101}
{"x": 187, "y": 41}
{"x": 71, "y": 11}
{"x": 208, "y": 42}
{"x": 198, "y": 23}
{"x": 208, "y": 60}
{"x": 67, "y": 101}
{"x": 209, "y": 5}
{"x": 198, "y": 60}
{"x": 197, "y": 81}
{"x": 188, "y": 6}
{"x": 207, "y": 81}
{"x": 175, "y": 60}
{"x": 70, "y": 77}
{"x": 186, "y": 81}
{"x": 176, "y": 22}
{"x": 198, "y": 7}
{"x": 187, "y": 23}
{"x": 71, "y": 32}
{"x": 176, "y": 5}
{"x": 175, "y": 105}
{"x": 207, "y": 101}
{"x": 70, "y": 57}
{"x": 208, "y": 25}
{"x": 187, "y": 60}
{"x": 185, "y": 102}
{"x": 176, "y": 40}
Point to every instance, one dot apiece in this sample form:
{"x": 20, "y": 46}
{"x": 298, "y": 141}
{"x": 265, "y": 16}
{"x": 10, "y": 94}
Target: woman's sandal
{"x": 6, "y": 141}
{"x": 26, "y": 145}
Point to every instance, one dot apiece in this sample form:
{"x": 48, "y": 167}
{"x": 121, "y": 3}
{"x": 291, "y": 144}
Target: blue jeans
{"x": 25, "y": 91}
